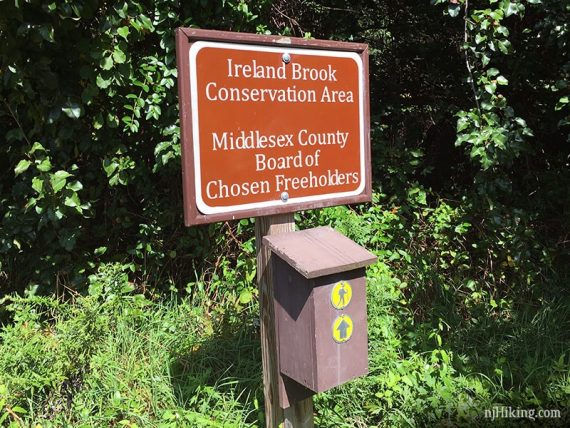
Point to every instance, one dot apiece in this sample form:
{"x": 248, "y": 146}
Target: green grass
{"x": 122, "y": 360}
{"x": 444, "y": 344}
{"x": 127, "y": 361}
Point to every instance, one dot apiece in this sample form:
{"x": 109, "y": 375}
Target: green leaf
{"x": 98, "y": 121}
{"x": 146, "y": 23}
{"x": 72, "y": 110}
{"x": 58, "y": 180}
{"x": 492, "y": 72}
{"x": 479, "y": 38}
{"x": 75, "y": 186}
{"x": 142, "y": 23}
{"x": 123, "y": 32}
{"x": 168, "y": 415}
{"x": 38, "y": 184}
{"x": 491, "y": 88}
{"x": 500, "y": 139}
{"x": 502, "y": 30}
{"x": 504, "y": 46}
{"x": 112, "y": 121}
{"x": 510, "y": 8}
{"x": 100, "y": 251}
{"x": 35, "y": 147}
{"x": 501, "y": 80}
{"x": 46, "y": 31}
{"x": 110, "y": 166}
{"x": 154, "y": 112}
{"x": 106, "y": 63}
{"x": 102, "y": 82}
{"x": 245, "y": 297}
{"x": 22, "y": 166}
{"x": 119, "y": 56}
{"x": 453, "y": 9}
{"x": 562, "y": 102}
{"x": 44, "y": 165}
{"x": 72, "y": 201}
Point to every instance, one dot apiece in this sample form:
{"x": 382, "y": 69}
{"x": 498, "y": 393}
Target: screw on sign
{"x": 342, "y": 329}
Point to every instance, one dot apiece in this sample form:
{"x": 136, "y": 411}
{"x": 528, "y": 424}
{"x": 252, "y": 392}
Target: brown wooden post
{"x": 301, "y": 413}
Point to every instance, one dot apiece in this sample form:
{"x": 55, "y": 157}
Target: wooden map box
{"x": 320, "y": 307}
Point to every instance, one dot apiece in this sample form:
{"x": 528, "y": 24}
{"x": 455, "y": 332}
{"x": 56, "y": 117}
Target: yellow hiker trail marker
{"x": 342, "y": 329}
{"x": 341, "y": 295}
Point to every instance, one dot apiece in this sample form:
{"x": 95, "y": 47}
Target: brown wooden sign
{"x": 271, "y": 124}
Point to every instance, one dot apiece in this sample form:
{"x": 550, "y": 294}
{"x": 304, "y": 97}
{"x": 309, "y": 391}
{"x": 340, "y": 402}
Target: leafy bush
{"x": 115, "y": 357}
{"x": 89, "y": 117}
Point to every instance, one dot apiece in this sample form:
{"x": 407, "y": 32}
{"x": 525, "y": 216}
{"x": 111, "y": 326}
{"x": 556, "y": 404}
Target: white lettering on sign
{"x": 298, "y": 160}
{"x": 256, "y": 71}
{"x": 288, "y": 95}
{"x": 301, "y": 73}
{"x": 326, "y": 138}
{"x": 218, "y": 189}
{"x": 311, "y": 181}
{"x": 245, "y": 140}
{"x": 330, "y": 96}
{"x": 249, "y": 140}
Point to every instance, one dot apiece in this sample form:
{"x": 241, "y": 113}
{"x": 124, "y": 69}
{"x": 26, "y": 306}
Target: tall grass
{"x": 124, "y": 360}
{"x": 443, "y": 348}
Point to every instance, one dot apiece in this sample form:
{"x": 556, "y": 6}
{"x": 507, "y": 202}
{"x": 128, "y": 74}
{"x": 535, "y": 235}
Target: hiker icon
{"x": 341, "y": 295}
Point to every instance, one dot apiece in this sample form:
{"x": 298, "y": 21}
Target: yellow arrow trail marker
{"x": 341, "y": 295}
{"x": 342, "y": 329}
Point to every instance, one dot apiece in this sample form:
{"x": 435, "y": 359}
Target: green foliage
{"x": 89, "y": 118}
{"x": 502, "y": 37}
{"x": 450, "y": 336}
{"x": 116, "y": 358}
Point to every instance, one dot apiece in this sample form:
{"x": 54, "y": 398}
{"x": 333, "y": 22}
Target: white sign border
{"x": 201, "y": 205}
